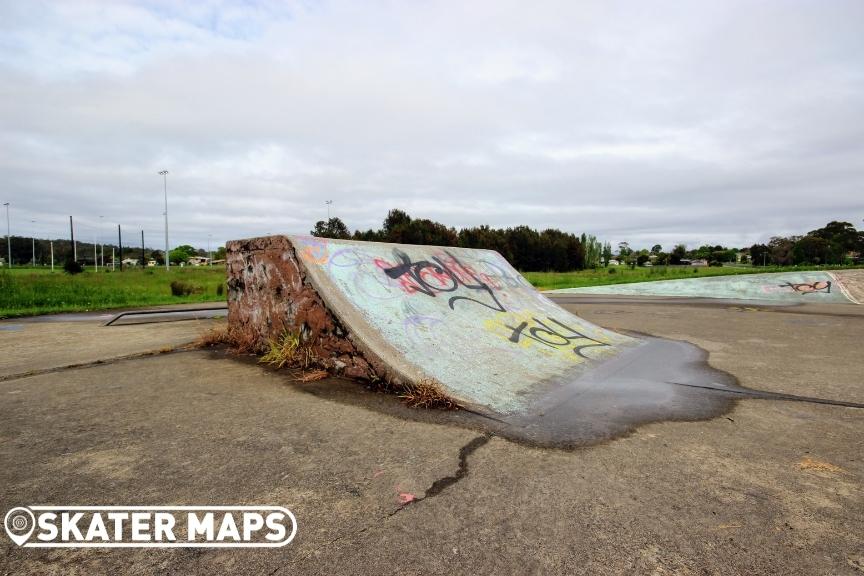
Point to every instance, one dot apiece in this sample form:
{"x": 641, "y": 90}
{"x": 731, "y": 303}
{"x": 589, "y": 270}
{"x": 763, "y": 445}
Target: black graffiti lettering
{"x": 823, "y": 286}
{"x": 446, "y": 279}
{"x": 552, "y": 337}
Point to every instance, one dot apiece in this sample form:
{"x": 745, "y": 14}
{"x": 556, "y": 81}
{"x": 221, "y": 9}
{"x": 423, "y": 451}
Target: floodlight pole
{"x": 164, "y": 174}
{"x": 52, "y": 254}
{"x": 328, "y": 202}
{"x": 101, "y": 244}
{"x": 72, "y": 239}
{"x": 33, "y": 247}
{"x": 8, "y": 236}
{"x": 33, "y": 252}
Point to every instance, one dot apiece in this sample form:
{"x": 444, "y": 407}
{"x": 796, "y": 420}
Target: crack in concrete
{"x": 443, "y": 483}
{"x": 435, "y": 489}
{"x": 99, "y": 362}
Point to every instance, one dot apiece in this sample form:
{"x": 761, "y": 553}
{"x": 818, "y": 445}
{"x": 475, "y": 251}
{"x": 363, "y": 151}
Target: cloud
{"x": 720, "y": 122}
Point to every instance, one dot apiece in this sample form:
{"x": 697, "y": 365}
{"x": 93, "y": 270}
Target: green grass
{"x": 624, "y": 275}
{"x": 31, "y": 291}
{"x": 26, "y": 292}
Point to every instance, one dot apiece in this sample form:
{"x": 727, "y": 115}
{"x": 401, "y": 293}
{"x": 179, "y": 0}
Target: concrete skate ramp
{"x": 461, "y": 319}
{"x": 782, "y": 288}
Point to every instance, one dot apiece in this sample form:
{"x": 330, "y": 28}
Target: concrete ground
{"x": 770, "y": 487}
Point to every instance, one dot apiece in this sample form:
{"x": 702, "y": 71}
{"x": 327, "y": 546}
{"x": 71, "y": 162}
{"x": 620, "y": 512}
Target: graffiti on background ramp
{"x": 783, "y": 287}
{"x": 461, "y": 318}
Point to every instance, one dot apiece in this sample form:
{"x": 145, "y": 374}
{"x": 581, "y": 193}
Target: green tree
{"x": 781, "y": 249}
{"x": 760, "y": 255}
{"x": 842, "y": 238}
{"x": 607, "y": 253}
{"x": 181, "y": 254}
{"x": 332, "y": 228}
{"x": 678, "y": 254}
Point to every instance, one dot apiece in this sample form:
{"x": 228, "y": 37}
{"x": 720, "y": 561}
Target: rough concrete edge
{"x": 838, "y": 280}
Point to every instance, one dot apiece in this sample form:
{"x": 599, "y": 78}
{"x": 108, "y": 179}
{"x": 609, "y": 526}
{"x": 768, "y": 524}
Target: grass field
{"x": 624, "y": 275}
{"x": 25, "y": 292}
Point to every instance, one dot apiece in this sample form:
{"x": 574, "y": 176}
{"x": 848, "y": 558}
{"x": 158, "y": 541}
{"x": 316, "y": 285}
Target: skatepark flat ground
{"x": 769, "y": 487}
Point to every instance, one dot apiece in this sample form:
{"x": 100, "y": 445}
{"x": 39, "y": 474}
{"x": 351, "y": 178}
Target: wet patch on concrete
{"x": 639, "y": 387}
{"x": 664, "y": 380}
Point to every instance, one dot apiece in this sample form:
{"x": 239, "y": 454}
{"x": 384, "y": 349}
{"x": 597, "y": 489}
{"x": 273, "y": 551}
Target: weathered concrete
{"x": 30, "y": 346}
{"x": 783, "y": 287}
{"x": 771, "y": 488}
{"x": 463, "y": 320}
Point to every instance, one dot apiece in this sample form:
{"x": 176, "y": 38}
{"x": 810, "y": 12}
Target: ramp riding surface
{"x": 467, "y": 323}
{"x": 782, "y": 288}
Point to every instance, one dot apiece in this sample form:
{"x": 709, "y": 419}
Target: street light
{"x": 328, "y": 202}
{"x": 8, "y": 237}
{"x": 101, "y": 244}
{"x": 164, "y": 174}
{"x": 209, "y": 252}
{"x": 95, "y": 246}
{"x": 33, "y": 248}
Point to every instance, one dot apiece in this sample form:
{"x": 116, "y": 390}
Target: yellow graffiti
{"x": 551, "y": 337}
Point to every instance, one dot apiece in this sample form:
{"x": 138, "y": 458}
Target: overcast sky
{"x": 648, "y": 122}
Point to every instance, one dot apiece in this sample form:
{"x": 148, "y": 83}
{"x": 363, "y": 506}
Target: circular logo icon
{"x": 19, "y": 523}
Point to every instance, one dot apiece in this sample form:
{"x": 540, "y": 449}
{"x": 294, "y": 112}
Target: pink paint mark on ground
{"x": 377, "y": 473}
{"x": 406, "y": 497}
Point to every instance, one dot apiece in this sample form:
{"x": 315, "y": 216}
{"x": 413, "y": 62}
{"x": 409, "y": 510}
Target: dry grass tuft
{"x": 426, "y": 394}
{"x": 313, "y": 375}
{"x": 289, "y": 350}
{"x": 239, "y": 341}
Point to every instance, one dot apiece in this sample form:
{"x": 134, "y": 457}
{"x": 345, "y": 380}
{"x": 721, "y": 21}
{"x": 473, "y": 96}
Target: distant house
{"x": 614, "y": 262}
{"x": 151, "y": 263}
{"x": 699, "y": 262}
{"x": 198, "y": 261}
{"x": 130, "y": 262}
{"x": 217, "y": 262}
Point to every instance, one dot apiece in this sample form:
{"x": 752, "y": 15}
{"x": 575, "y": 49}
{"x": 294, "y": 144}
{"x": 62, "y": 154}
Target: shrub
{"x": 613, "y": 271}
{"x": 220, "y": 289}
{"x": 73, "y": 267}
{"x": 180, "y": 288}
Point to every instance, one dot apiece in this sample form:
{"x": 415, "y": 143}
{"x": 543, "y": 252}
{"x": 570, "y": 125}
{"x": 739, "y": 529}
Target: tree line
{"x": 551, "y": 249}
{"x": 835, "y": 243}
{"x": 525, "y": 248}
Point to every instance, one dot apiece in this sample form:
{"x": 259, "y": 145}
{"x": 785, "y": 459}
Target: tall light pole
{"x": 164, "y": 174}
{"x": 33, "y": 247}
{"x": 101, "y": 244}
{"x": 328, "y": 202}
{"x": 8, "y": 236}
{"x": 209, "y": 252}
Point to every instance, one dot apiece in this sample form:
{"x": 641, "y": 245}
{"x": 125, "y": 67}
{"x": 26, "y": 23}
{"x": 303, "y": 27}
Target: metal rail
{"x": 148, "y": 312}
